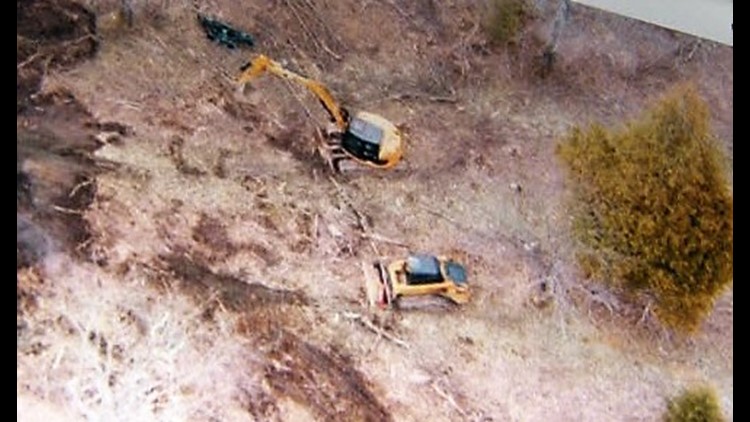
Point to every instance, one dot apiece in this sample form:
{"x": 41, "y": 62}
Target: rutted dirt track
{"x": 325, "y": 381}
{"x": 182, "y": 254}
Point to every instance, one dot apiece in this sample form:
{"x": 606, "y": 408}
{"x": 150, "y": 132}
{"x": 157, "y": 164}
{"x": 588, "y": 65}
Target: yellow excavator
{"x": 366, "y": 138}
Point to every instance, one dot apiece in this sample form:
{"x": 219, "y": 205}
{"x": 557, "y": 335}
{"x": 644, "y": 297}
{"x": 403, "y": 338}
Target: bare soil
{"x": 183, "y": 254}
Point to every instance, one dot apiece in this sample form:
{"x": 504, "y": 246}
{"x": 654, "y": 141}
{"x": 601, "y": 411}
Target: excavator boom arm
{"x": 262, "y": 64}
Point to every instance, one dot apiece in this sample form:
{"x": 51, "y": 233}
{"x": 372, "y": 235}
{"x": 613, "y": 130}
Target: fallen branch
{"x": 81, "y": 246}
{"x": 443, "y": 216}
{"x": 79, "y": 186}
{"x": 361, "y": 220}
{"x": 67, "y": 210}
{"x": 400, "y": 11}
{"x": 302, "y": 23}
{"x": 320, "y": 44}
{"x": 372, "y": 327}
{"x": 449, "y": 398}
{"x": 600, "y": 297}
{"x": 329, "y": 51}
{"x": 432, "y": 98}
{"x": 383, "y": 239}
{"x": 322, "y": 22}
{"x": 314, "y": 232}
{"x": 646, "y": 313}
{"x": 77, "y": 40}
{"x": 130, "y": 104}
{"x": 27, "y": 61}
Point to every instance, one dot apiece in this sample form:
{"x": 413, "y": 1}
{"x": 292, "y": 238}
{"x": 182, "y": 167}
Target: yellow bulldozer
{"x": 364, "y": 137}
{"x": 418, "y": 275}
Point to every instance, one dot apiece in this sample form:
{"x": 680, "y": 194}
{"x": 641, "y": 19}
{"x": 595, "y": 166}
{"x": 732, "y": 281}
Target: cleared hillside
{"x": 183, "y": 255}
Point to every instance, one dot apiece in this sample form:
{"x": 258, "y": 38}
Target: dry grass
{"x": 101, "y": 347}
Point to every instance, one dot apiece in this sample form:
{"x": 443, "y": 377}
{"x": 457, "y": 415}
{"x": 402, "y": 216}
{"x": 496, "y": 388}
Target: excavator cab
{"x": 371, "y": 139}
{"x": 364, "y": 137}
{"x": 362, "y": 140}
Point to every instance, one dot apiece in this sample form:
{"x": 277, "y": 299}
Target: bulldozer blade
{"x": 373, "y": 286}
{"x": 377, "y": 287}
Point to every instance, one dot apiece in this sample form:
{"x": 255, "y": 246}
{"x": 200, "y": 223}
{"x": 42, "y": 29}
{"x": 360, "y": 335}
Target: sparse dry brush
{"x": 505, "y": 19}
{"x": 698, "y": 404}
{"x": 654, "y": 210}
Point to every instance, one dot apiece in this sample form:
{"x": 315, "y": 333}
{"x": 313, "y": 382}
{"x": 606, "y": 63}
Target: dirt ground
{"x": 182, "y": 254}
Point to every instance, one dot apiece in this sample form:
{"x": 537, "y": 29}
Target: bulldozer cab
{"x": 423, "y": 269}
{"x": 426, "y": 269}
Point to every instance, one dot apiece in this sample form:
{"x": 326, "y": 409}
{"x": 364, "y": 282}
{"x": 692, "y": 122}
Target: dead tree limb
{"x": 79, "y": 186}
{"x": 374, "y": 328}
{"x": 318, "y": 43}
{"x": 449, "y": 398}
{"x": 361, "y": 220}
{"x": 30, "y": 59}
{"x": 67, "y": 210}
{"x": 400, "y": 10}
{"x": 302, "y": 23}
{"x": 322, "y": 22}
{"x": 646, "y": 313}
{"x": 431, "y": 98}
{"x": 379, "y": 238}
{"x": 443, "y": 216}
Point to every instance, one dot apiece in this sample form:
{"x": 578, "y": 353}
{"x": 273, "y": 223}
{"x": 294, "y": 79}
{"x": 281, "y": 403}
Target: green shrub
{"x": 698, "y": 404}
{"x": 654, "y": 209}
{"x": 504, "y": 19}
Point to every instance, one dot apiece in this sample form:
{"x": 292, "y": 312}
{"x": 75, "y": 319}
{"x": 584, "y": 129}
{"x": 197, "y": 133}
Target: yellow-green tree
{"x": 653, "y": 207}
{"x": 698, "y": 404}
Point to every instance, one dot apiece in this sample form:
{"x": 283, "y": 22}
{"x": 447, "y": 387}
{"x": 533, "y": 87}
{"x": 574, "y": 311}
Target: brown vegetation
{"x": 655, "y": 207}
